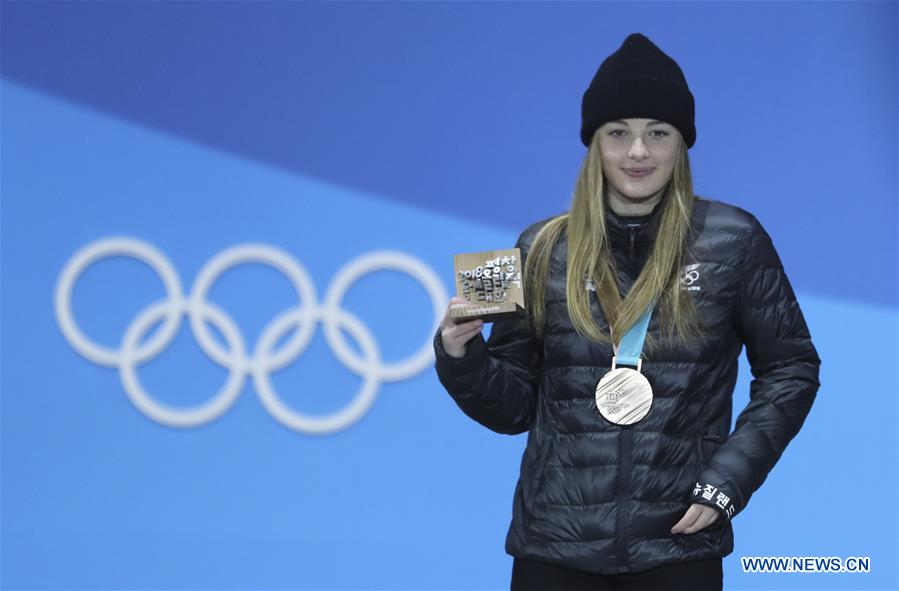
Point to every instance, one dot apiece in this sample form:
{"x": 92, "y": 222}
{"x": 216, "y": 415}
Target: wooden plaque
{"x": 491, "y": 283}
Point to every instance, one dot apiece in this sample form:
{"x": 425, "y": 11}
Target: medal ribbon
{"x": 628, "y": 351}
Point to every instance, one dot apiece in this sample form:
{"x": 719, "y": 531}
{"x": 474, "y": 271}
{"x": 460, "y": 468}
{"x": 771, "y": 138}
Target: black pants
{"x": 695, "y": 575}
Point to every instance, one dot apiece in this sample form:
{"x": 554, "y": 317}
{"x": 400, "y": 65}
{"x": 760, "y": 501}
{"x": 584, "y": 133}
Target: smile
{"x": 637, "y": 172}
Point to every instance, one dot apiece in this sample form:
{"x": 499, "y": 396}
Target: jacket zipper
{"x": 625, "y": 449}
{"x": 633, "y": 232}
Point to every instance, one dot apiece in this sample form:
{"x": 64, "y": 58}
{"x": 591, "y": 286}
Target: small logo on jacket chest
{"x": 690, "y": 278}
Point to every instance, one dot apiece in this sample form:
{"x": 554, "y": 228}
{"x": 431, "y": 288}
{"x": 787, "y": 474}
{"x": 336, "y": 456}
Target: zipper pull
{"x": 633, "y": 231}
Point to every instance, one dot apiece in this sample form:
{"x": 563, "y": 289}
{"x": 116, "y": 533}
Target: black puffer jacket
{"x": 600, "y": 497}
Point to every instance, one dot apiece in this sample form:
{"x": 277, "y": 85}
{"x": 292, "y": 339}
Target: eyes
{"x": 655, "y": 133}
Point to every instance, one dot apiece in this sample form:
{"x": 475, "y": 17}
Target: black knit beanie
{"x": 638, "y": 81}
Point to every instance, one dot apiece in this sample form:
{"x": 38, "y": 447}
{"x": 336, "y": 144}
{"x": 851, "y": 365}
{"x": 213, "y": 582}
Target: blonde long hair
{"x": 589, "y": 255}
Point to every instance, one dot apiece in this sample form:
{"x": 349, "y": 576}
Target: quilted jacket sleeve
{"x": 785, "y": 367}
{"x": 495, "y": 382}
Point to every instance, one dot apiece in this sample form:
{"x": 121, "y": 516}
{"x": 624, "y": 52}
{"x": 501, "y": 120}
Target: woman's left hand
{"x": 696, "y": 518}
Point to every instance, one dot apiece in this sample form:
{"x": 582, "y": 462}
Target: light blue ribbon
{"x": 631, "y": 345}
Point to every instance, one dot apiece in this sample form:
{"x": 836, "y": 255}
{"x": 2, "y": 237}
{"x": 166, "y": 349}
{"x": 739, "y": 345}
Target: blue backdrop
{"x": 172, "y": 166}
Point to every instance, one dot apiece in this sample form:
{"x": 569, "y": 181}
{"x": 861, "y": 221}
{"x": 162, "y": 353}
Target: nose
{"x": 638, "y": 149}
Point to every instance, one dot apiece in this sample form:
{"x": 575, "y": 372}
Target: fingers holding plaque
{"x": 491, "y": 284}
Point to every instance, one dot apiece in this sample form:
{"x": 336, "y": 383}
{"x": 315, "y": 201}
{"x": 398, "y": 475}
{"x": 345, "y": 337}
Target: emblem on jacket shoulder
{"x": 690, "y": 277}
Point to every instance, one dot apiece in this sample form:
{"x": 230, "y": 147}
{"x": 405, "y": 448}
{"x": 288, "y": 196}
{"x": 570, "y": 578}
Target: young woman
{"x": 640, "y": 299}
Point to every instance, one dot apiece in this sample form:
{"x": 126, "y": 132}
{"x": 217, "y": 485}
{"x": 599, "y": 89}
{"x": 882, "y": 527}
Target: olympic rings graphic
{"x": 690, "y": 274}
{"x": 369, "y": 366}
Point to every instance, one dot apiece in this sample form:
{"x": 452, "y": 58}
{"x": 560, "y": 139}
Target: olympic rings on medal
{"x": 304, "y": 317}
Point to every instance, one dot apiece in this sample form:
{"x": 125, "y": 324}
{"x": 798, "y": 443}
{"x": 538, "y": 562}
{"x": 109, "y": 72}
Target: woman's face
{"x": 638, "y": 156}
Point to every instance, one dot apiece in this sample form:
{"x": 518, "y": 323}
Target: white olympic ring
{"x": 199, "y": 310}
{"x": 690, "y": 277}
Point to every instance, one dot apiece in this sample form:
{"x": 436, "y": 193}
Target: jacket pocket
{"x": 706, "y": 446}
{"x": 539, "y": 471}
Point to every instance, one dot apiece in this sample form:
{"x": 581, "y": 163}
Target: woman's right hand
{"x": 454, "y": 336}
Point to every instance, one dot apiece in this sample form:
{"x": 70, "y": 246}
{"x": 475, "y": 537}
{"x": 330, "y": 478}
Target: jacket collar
{"x": 633, "y": 235}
